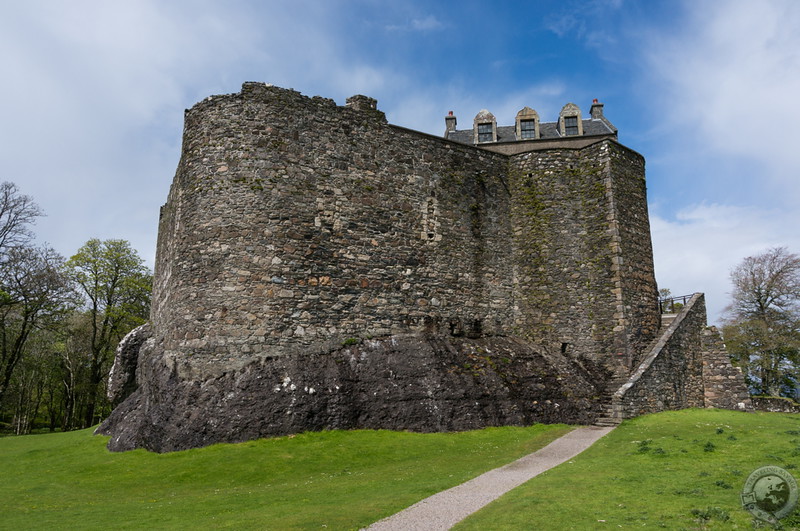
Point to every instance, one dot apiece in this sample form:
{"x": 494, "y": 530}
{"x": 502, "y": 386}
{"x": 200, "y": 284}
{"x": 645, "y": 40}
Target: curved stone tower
{"x": 319, "y": 268}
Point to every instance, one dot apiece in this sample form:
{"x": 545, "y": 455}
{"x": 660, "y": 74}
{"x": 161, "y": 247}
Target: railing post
{"x": 667, "y": 305}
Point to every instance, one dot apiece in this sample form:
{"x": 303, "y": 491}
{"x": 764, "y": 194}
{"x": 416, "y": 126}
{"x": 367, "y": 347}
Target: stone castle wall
{"x": 586, "y": 277}
{"x": 671, "y": 373}
{"x": 636, "y": 317}
{"x": 723, "y": 384}
{"x": 312, "y": 224}
{"x": 319, "y": 268}
{"x": 774, "y": 404}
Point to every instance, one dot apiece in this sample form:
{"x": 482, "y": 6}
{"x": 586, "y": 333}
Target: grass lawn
{"x": 335, "y": 479}
{"x": 673, "y": 470}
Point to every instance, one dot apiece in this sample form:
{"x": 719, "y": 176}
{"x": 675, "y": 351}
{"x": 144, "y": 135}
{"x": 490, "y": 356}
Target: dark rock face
{"x": 402, "y": 383}
{"x": 122, "y": 379}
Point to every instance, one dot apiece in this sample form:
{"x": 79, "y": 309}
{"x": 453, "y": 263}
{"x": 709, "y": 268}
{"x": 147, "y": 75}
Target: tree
{"x": 35, "y": 384}
{"x": 17, "y": 213}
{"x": 763, "y": 328}
{"x": 116, "y": 286}
{"x": 34, "y": 290}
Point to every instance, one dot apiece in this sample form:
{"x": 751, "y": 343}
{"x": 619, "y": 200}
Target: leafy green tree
{"x": 116, "y": 287}
{"x": 762, "y": 332}
{"x": 35, "y": 384}
{"x": 34, "y": 292}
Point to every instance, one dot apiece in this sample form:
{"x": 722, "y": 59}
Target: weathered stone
{"x": 775, "y": 404}
{"x": 683, "y": 368}
{"x": 122, "y": 378}
{"x": 410, "y": 281}
{"x": 724, "y": 384}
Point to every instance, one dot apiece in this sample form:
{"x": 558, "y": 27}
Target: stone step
{"x": 607, "y": 421}
{"x": 667, "y": 318}
{"x": 613, "y": 387}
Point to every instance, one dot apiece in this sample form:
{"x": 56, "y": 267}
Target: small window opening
{"x": 570, "y": 125}
{"x": 485, "y": 132}
{"x": 527, "y": 128}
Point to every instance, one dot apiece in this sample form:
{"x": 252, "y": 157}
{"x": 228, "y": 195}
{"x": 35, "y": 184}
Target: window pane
{"x": 484, "y": 132}
{"x": 527, "y": 128}
{"x": 571, "y": 125}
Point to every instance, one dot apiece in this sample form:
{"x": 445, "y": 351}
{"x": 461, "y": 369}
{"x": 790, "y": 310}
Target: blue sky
{"x": 93, "y": 95}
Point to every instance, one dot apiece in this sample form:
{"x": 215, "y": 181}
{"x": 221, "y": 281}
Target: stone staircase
{"x": 666, "y": 320}
{"x": 610, "y": 416}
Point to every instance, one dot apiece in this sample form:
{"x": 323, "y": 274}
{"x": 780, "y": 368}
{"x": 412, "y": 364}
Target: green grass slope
{"x": 334, "y": 480}
{"x": 673, "y": 470}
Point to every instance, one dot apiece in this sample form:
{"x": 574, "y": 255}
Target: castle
{"x": 319, "y": 268}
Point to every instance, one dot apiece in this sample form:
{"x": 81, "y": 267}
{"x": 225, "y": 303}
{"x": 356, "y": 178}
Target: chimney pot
{"x": 597, "y": 110}
{"x": 450, "y": 123}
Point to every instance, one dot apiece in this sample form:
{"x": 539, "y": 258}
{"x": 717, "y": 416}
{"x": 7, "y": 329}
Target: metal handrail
{"x": 667, "y": 305}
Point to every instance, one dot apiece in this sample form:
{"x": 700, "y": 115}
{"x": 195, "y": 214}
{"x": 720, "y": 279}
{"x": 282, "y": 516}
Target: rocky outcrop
{"x": 122, "y": 378}
{"x": 775, "y": 404}
{"x": 402, "y": 383}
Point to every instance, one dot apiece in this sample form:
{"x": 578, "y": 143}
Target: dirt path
{"x": 447, "y": 508}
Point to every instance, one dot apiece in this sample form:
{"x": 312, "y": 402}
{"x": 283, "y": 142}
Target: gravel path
{"x": 447, "y": 508}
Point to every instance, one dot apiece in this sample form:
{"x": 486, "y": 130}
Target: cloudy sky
{"x": 93, "y": 93}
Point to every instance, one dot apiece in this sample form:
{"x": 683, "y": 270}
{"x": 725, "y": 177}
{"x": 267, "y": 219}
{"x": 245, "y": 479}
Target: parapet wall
{"x": 671, "y": 374}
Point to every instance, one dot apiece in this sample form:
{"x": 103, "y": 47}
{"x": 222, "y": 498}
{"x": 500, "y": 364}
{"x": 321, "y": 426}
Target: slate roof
{"x": 547, "y": 130}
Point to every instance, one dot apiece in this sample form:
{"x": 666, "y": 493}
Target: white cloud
{"x": 697, "y": 250}
{"x": 728, "y": 80}
{"x": 92, "y": 102}
{"x": 426, "y": 24}
{"x": 93, "y": 97}
{"x": 724, "y": 76}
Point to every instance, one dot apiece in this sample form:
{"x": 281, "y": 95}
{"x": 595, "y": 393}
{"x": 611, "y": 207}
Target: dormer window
{"x": 485, "y": 133}
{"x": 484, "y": 127}
{"x": 570, "y": 125}
{"x": 569, "y": 121}
{"x": 527, "y": 129}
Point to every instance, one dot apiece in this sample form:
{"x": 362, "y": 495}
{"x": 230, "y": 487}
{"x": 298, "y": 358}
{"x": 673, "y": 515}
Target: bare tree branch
{"x": 17, "y": 213}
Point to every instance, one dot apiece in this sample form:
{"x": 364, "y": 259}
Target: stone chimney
{"x": 362, "y": 103}
{"x": 366, "y": 105}
{"x": 597, "y": 110}
{"x": 449, "y": 123}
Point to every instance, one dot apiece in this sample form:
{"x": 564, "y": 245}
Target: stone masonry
{"x": 320, "y": 268}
